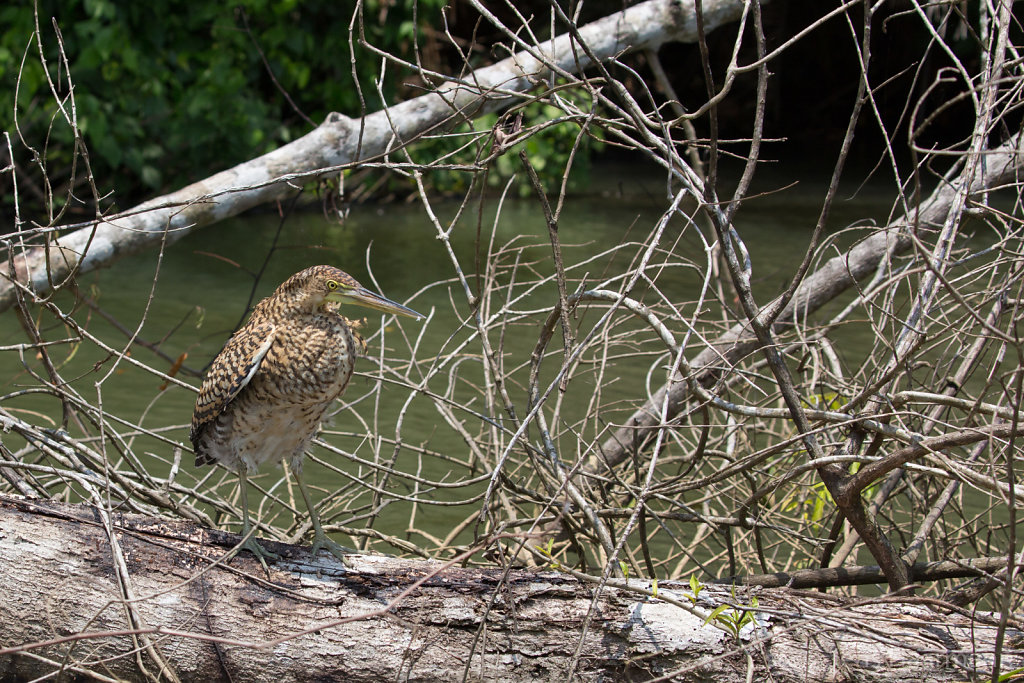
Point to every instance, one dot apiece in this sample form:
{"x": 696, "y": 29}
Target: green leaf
{"x": 715, "y": 614}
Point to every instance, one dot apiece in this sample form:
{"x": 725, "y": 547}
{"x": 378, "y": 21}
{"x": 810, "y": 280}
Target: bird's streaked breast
{"x": 276, "y": 413}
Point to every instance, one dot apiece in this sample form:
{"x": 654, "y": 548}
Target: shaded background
{"x": 168, "y": 93}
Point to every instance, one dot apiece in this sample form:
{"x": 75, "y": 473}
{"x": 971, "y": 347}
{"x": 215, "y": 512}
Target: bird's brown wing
{"x": 230, "y": 371}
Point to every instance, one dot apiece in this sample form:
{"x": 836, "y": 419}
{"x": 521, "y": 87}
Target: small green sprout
{"x": 696, "y": 586}
{"x": 548, "y": 552}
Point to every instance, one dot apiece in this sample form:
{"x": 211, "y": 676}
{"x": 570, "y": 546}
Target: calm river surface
{"x": 205, "y": 283}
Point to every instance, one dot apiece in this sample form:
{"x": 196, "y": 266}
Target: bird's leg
{"x": 249, "y": 543}
{"x": 320, "y": 539}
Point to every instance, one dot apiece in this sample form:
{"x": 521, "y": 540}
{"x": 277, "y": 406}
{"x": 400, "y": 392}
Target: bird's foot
{"x": 253, "y": 546}
{"x": 320, "y": 540}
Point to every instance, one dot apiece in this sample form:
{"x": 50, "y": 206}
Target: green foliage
{"x": 167, "y": 93}
{"x": 1014, "y": 675}
{"x": 726, "y": 616}
{"x": 814, "y": 504}
{"x": 732, "y": 619}
{"x": 828, "y": 400}
{"x": 548, "y": 551}
{"x": 552, "y": 135}
{"x": 695, "y": 587}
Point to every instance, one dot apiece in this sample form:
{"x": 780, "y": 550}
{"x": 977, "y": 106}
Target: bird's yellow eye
{"x": 332, "y": 285}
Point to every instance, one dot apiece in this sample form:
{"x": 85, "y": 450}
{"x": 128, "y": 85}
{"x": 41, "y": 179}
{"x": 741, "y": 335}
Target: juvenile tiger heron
{"x": 270, "y": 386}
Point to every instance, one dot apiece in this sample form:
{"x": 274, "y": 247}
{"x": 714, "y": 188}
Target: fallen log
{"x": 117, "y": 596}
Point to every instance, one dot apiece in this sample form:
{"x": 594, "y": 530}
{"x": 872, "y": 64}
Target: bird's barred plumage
{"x": 270, "y": 386}
{"x": 232, "y": 370}
{"x": 272, "y": 383}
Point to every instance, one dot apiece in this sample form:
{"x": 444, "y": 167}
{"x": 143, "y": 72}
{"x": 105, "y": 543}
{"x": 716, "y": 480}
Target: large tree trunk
{"x": 341, "y": 140}
{"x": 151, "y": 604}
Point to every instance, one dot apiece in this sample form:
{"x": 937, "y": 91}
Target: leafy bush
{"x": 166, "y": 93}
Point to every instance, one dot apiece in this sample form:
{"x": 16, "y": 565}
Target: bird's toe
{"x": 320, "y": 541}
{"x": 253, "y": 546}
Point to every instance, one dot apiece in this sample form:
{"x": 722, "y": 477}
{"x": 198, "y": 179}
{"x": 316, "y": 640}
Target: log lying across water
{"x": 149, "y": 604}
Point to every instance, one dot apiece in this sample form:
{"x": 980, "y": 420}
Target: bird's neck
{"x": 296, "y": 307}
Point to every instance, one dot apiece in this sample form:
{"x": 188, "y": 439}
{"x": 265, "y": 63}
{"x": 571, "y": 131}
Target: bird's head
{"x": 315, "y": 286}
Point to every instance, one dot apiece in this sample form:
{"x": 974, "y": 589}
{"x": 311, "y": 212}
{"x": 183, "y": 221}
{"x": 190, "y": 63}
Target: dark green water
{"x": 205, "y": 282}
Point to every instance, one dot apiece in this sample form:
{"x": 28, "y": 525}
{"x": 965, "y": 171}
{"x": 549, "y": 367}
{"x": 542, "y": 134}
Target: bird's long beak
{"x": 361, "y": 296}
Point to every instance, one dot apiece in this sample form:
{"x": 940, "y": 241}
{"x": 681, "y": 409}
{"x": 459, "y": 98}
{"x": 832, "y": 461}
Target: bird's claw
{"x": 253, "y": 546}
{"x": 339, "y": 551}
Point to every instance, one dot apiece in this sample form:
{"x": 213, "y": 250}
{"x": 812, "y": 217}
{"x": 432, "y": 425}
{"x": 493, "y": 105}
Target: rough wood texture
{"x": 61, "y": 579}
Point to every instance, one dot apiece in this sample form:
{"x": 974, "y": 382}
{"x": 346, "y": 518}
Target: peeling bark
{"x": 316, "y": 620}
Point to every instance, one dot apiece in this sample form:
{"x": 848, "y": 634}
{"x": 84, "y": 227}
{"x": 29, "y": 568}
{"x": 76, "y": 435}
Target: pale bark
{"x": 1002, "y": 165}
{"x": 341, "y": 141}
{"x": 64, "y": 581}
